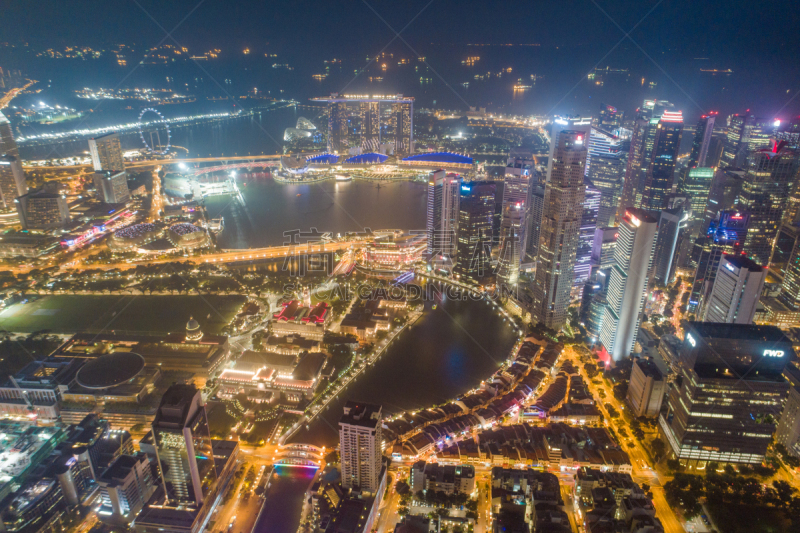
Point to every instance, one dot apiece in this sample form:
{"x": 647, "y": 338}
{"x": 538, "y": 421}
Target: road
{"x": 10, "y": 95}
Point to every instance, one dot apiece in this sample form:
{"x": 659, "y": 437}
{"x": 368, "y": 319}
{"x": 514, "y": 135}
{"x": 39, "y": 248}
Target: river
{"x": 284, "y": 503}
{"x": 445, "y": 353}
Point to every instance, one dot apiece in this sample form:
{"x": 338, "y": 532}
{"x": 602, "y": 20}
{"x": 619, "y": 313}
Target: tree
{"x": 785, "y": 492}
{"x": 443, "y": 512}
{"x": 402, "y": 510}
{"x": 673, "y": 464}
{"x": 402, "y": 487}
{"x": 644, "y": 318}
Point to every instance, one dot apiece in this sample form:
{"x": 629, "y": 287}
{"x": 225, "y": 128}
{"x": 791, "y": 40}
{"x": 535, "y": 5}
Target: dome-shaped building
{"x": 193, "y": 332}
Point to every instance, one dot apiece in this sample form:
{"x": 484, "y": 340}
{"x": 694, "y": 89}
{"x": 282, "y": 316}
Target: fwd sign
{"x": 773, "y": 353}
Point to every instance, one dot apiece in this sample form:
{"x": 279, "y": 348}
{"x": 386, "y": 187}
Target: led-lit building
{"x": 661, "y": 166}
{"x": 125, "y": 487}
{"x": 627, "y": 286}
{"x": 396, "y": 251}
{"x": 786, "y": 261}
{"x": 746, "y": 133}
{"x": 12, "y": 180}
{"x": 697, "y": 185}
{"x": 533, "y": 228}
{"x": 106, "y": 153}
{"x": 702, "y": 141}
{"x": 112, "y": 187}
{"x": 768, "y": 179}
{"x": 725, "y": 403}
{"x": 444, "y": 194}
{"x": 583, "y": 257}
{"x": 670, "y": 223}
{"x": 606, "y": 173}
{"x": 360, "y": 446}
{"x": 561, "y": 221}
{"x": 476, "y": 212}
{"x": 42, "y": 210}
{"x": 610, "y": 117}
{"x": 368, "y": 112}
{"x": 736, "y": 291}
{"x": 517, "y": 182}
{"x": 605, "y": 240}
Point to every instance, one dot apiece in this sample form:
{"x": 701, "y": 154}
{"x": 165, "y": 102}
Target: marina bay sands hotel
{"x": 372, "y": 123}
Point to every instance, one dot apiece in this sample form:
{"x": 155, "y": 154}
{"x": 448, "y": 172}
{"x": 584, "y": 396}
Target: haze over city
{"x": 399, "y": 267}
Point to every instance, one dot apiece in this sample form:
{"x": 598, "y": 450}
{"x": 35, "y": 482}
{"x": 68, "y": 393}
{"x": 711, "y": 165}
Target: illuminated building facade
{"x": 112, "y": 187}
{"x": 737, "y": 288}
{"x": 360, "y": 446}
{"x": 475, "y": 217}
{"x": 727, "y": 398}
{"x": 702, "y": 140}
{"x": 661, "y": 166}
{"x": 41, "y": 210}
{"x": 368, "y": 111}
{"x": 627, "y": 286}
{"x": 696, "y": 184}
{"x": 670, "y": 222}
{"x": 746, "y": 133}
{"x": 610, "y": 117}
{"x": 765, "y": 191}
{"x": 517, "y": 181}
{"x": 561, "y": 221}
{"x": 12, "y": 180}
{"x": 606, "y": 162}
{"x": 396, "y": 251}
{"x": 183, "y": 445}
{"x": 444, "y": 194}
{"x": 106, "y": 153}
{"x": 583, "y": 256}
{"x": 786, "y": 260}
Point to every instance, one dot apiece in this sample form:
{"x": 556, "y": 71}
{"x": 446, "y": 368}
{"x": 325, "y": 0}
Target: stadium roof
{"x": 441, "y": 157}
{"x": 323, "y": 159}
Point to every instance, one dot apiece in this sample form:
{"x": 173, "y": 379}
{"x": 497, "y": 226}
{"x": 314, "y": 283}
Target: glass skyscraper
{"x": 475, "y": 215}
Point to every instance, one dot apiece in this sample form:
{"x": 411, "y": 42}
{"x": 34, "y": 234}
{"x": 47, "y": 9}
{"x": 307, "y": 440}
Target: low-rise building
{"x": 450, "y": 479}
{"x": 298, "y": 319}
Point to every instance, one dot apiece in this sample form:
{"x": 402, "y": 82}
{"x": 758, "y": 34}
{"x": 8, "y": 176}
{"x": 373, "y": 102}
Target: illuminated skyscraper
{"x": 360, "y": 446}
{"x": 746, "y": 133}
{"x": 476, "y": 213}
{"x": 737, "y": 288}
{"x": 696, "y": 184}
{"x": 661, "y": 167}
{"x": 517, "y": 181}
{"x": 106, "y": 153}
{"x": 765, "y": 191}
{"x": 533, "y": 228}
{"x": 670, "y": 223}
{"x": 786, "y": 261}
{"x": 726, "y": 400}
{"x": 370, "y": 126}
{"x": 338, "y": 130}
{"x": 183, "y": 445}
{"x": 702, "y": 140}
{"x": 112, "y": 187}
{"x": 7, "y": 143}
{"x": 561, "y": 221}
{"x": 404, "y": 126}
{"x": 583, "y": 257}
{"x": 609, "y": 118}
{"x": 12, "y": 180}
{"x": 442, "y": 218}
{"x": 607, "y": 161}
{"x": 627, "y": 288}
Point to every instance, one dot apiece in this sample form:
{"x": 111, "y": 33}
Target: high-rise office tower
{"x": 112, "y": 187}
{"x": 607, "y": 174}
{"x": 518, "y": 176}
{"x": 7, "y": 143}
{"x": 583, "y": 257}
{"x": 609, "y": 118}
{"x": 765, "y": 191}
{"x": 661, "y": 167}
{"x": 696, "y": 183}
{"x": 475, "y": 216}
{"x": 497, "y": 222}
{"x": 702, "y": 140}
{"x": 670, "y": 223}
{"x": 725, "y": 235}
{"x": 106, "y": 153}
{"x": 786, "y": 262}
{"x": 360, "y": 446}
{"x": 370, "y": 126}
{"x": 182, "y": 442}
{"x": 745, "y": 134}
{"x": 605, "y": 240}
{"x": 12, "y": 180}
{"x": 627, "y": 288}
{"x": 404, "y": 130}
{"x": 338, "y": 130}
{"x": 534, "y": 223}
{"x": 785, "y": 247}
{"x": 444, "y": 192}
{"x": 737, "y": 288}
{"x": 561, "y": 220}
{"x": 725, "y": 402}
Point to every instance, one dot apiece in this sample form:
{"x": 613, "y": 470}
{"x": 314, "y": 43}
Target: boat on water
{"x": 434, "y": 307}
{"x": 344, "y": 177}
{"x": 298, "y": 194}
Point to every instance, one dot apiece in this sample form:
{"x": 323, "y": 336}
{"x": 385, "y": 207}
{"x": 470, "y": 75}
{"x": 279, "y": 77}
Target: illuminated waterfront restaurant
{"x": 295, "y": 377}
{"x": 396, "y": 251}
{"x": 726, "y": 400}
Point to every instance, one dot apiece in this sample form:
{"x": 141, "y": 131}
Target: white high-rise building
{"x": 517, "y": 182}
{"x": 444, "y": 196}
{"x": 360, "y": 446}
{"x": 106, "y": 152}
{"x": 561, "y": 221}
{"x": 627, "y": 288}
{"x": 737, "y": 288}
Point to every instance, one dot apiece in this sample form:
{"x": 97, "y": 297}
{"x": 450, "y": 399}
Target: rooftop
{"x": 742, "y": 261}
{"x": 361, "y": 414}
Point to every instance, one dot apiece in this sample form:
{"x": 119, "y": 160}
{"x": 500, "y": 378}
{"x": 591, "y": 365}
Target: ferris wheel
{"x": 155, "y": 145}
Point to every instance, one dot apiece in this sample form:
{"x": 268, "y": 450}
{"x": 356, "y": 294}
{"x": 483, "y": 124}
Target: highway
{"x": 10, "y": 95}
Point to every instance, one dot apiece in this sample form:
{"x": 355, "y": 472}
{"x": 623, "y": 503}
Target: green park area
{"x": 157, "y": 314}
